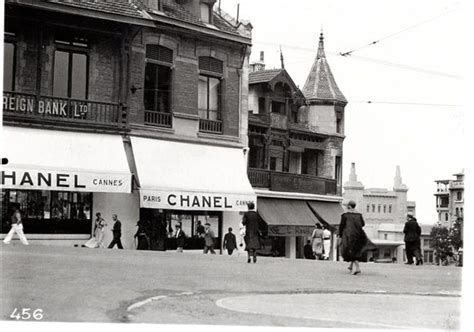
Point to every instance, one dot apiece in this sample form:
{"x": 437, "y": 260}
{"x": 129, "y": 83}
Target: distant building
{"x": 450, "y": 199}
{"x": 384, "y": 212}
{"x": 390, "y": 244}
{"x": 379, "y": 205}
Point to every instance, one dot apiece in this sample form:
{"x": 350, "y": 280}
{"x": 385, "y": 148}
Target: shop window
{"x": 49, "y": 212}
{"x": 8, "y": 65}
{"x": 70, "y": 79}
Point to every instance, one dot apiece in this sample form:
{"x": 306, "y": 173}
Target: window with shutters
{"x": 209, "y": 88}
{"x": 157, "y": 86}
{"x": 9, "y": 62}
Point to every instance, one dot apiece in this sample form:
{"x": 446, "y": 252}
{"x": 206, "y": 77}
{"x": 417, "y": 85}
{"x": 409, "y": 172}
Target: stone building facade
{"x": 129, "y": 107}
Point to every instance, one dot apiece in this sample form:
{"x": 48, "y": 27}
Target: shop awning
{"x": 287, "y": 217}
{"x": 186, "y": 176}
{"x": 329, "y": 213}
{"x": 40, "y": 159}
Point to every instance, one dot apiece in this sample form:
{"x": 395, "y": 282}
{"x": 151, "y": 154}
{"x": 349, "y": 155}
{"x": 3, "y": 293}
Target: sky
{"x": 413, "y": 75}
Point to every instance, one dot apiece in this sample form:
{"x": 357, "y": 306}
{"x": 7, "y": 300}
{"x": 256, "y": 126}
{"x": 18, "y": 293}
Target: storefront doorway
{"x": 189, "y": 221}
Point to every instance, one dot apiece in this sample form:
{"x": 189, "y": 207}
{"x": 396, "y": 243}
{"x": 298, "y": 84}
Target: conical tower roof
{"x": 320, "y": 84}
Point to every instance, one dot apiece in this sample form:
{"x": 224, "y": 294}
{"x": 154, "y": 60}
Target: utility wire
{"x": 402, "y": 103}
{"x": 377, "y": 61}
{"x": 396, "y": 33}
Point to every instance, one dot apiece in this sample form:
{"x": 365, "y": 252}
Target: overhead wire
{"x": 397, "y": 32}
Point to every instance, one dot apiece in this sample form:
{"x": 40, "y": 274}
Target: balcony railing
{"x": 30, "y": 107}
{"x": 210, "y": 126}
{"x": 288, "y": 182}
{"x": 274, "y": 120}
{"x": 158, "y": 119}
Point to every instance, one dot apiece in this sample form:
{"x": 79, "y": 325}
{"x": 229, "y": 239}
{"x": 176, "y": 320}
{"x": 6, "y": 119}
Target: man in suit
{"x": 412, "y": 240}
{"x": 230, "y": 243}
{"x": 208, "y": 239}
{"x": 117, "y": 232}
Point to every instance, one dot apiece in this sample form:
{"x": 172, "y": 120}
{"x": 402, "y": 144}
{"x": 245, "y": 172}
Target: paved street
{"x": 86, "y": 285}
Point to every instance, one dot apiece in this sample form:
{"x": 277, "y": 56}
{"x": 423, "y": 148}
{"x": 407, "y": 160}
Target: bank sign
{"x": 30, "y": 179}
{"x": 179, "y": 200}
{"x": 43, "y": 106}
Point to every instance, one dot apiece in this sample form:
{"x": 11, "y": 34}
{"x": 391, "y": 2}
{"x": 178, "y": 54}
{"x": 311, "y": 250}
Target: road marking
{"x": 220, "y": 303}
{"x": 154, "y": 298}
{"x": 142, "y": 303}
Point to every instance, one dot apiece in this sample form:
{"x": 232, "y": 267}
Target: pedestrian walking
{"x": 308, "y": 250}
{"x": 412, "y": 240}
{"x": 326, "y": 242}
{"x": 180, "y": 238}
{"x": 230, "y": 243}
{"x": 97, "y": 238}
{"x": 352, "y": 237}
{"x": 117, "y": 233}
{"x": 142, "y": 236}
{"x": 317, "y": 239}
{"x": 208, "y": 239}
{"x": 252, "y": 239}
{"x": 16, "y": 227}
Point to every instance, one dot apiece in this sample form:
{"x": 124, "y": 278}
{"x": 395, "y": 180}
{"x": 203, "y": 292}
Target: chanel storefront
{"x": 60, "y": 179}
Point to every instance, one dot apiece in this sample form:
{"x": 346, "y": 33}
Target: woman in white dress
{"x": 97, "y": 239}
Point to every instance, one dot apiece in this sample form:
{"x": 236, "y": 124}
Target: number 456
{"x": 25, "y": 314}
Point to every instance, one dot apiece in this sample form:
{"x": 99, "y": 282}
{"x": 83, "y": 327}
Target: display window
{"x": 189, "y": 221}
{"x": 48, "y": 212}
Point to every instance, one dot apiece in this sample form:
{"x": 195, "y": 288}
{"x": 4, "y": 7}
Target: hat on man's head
{"x": 410, "y": 214}
{"x": 351, "y": 204}
{"x": 207, "y": 224}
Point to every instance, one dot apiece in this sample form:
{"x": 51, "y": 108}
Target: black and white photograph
{"x": 229, "y": 164}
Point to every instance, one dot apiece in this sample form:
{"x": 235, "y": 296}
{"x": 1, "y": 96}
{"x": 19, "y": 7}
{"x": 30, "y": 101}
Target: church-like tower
{"x": 324, "y": 110}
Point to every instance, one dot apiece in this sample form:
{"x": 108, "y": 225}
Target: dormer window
{"x": 206, "y": 12}
{"x": 154, "y": 5}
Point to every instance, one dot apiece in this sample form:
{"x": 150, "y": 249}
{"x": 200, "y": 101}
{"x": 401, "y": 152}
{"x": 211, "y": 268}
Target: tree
{"x": 455, "y": 234}
{"x": 440, "y": 236}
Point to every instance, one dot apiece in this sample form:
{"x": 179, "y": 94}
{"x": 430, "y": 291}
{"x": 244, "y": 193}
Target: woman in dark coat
{"x": 353, "y": 238}
{"x": 251, "y": 238}
{"x": 141, "y": 236}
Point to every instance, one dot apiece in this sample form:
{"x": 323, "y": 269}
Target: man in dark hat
{"x": 412, "y": 240}
{"x": 252, "y": 240}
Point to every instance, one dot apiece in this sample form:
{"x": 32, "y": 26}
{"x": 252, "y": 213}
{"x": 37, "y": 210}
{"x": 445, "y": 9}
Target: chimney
{"x": 258, "y": 65}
